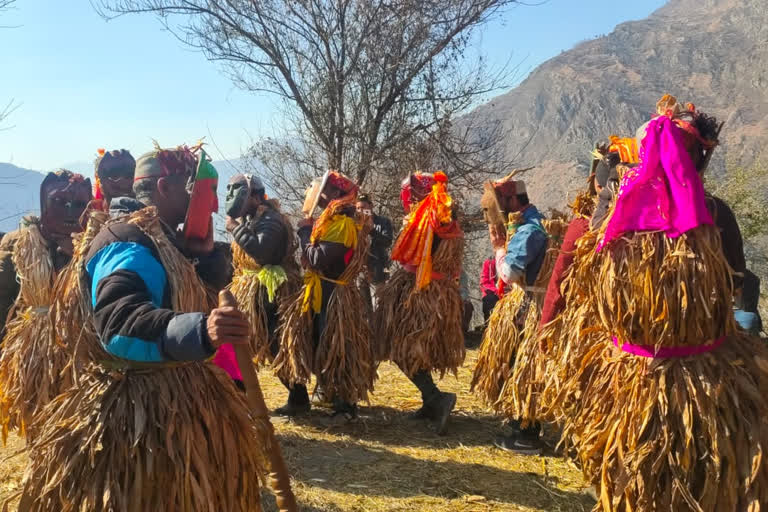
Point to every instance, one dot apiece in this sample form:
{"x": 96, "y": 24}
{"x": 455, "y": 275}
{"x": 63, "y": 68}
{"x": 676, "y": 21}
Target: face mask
{"x": 236, "y": 200}
{"x": 63, "y": 204}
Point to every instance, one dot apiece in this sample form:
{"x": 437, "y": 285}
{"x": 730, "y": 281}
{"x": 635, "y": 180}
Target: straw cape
{"x": 33, "y": 367}
{"x": 175, "y": 436}
{"x": 678, "y": 433}
{"x": 420, "y": 307}
{"x": 343, "y": 358}
{"x": 253, "y": 283}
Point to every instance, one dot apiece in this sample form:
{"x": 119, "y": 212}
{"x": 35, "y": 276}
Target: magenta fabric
{"x": 667, "y": 352}
{"x": 664, "y": 192}
{"x": 226, "y": 360}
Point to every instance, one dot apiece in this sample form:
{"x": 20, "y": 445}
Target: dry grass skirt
{"x": 343, "y": 360}
{"x": 176, "y": 438}
{"x": 34, "y": 368}
{"x": 686, "y": 433}
{"x": 424, "y": 327}
{"x": 510, "y": 345}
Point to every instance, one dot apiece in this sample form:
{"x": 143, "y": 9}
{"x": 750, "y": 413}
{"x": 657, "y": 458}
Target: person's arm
{"x": 215, "y": 268}
{"x": 263, "y": 240}
{"x": 322, "y": 256}
{"x": 487, "y": 283}
{"x": 733, "y": 244}
{"x": 127, "y": 287}
{"x": 523, "y": 248}
{"x": 554, "y": 302}
{"x": 386, "y": 234}
{"x": 9, "y": 287}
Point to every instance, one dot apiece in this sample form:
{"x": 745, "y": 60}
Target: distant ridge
{"x": 710, "y": 52}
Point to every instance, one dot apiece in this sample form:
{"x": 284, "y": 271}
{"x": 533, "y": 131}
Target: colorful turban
{"x": 415, "y": 187}
{"x": 507, "y": 187}
{"x": 166, "y": 162}
{"x": 342, "y": 183}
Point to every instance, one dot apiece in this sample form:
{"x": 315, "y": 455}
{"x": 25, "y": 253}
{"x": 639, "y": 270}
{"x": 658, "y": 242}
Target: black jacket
{"x": 264, "y": 238}
{"x": 381, "y": 241}
{"x": 329, "y": 258}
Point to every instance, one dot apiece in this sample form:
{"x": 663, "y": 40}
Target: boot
{"x": 291, "y": 409}
{"x": 343, "y": 412}
{"x": 298, "y": 402}
{"x": 440, "y": 411}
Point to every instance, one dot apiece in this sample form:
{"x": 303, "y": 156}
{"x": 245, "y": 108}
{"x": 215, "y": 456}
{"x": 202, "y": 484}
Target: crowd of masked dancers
{"x": 629, "y": 322}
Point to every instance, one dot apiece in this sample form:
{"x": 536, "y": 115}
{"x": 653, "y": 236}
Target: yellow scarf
{"x": 334, "y": 227}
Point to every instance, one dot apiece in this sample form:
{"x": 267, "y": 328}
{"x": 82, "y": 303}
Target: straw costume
{"x": 524, "y": 263}
{"x": 151, "y": 425}
{"x": 420, "y": 308}
{"x": 33, "y": 367}
{"x": 323, "y": 328}
{"x": 671, "y": 414}
{"x": 265, "y": 270}
{"x": 563, "y": 331}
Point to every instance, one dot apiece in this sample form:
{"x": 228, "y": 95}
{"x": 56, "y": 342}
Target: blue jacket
{"x": 526, "y": 248}
{"x": 131, "y": 297}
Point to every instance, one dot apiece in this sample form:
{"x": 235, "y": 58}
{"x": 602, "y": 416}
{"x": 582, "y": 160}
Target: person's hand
{"x": 201, "y": 246}
{"x": 309, "y": 221}
{"x": 227, "y": 325}
{"x": 232, "y": 224}
{"x": 498, "y": 239}
{"x": 368, "y": 222}
{"x": 65, "y": 243}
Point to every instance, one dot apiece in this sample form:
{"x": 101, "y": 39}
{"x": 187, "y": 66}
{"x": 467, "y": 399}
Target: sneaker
{"x": 319, "y": 399}
{"x": 291, "y": 409}
{"x": 519, "y": 444}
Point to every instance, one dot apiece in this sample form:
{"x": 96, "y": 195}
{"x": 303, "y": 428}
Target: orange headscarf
{"x": 626, "y": 147}
{"x": 431, "y": 216}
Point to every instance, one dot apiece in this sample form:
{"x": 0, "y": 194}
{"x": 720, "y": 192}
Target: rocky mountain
{"x": 713, "y": 53}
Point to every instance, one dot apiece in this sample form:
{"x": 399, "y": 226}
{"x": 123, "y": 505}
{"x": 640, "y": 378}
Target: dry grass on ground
{"x": 384, "y": 462}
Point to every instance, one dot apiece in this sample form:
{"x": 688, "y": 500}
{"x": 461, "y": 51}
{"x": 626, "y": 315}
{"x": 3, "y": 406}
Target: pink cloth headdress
{"x": 664, "y": 192}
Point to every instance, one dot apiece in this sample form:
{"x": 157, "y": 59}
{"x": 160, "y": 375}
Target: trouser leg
{"x": 423, "y": 381}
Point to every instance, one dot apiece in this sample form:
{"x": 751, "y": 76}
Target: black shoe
{"x": 292, "y": 409}
{"x": 422, "y": 413}
{"x": 341, "y": 407}
{"x": 441, "y": 411}
{"x": 519, "y": 444}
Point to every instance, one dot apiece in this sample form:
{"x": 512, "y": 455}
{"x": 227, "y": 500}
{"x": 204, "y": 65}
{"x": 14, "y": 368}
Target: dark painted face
{"x": 237, "y": 199}
{"x": 328, "y": 195}
{"x": 116, "y": 178}
{"x": 63, "y": 202}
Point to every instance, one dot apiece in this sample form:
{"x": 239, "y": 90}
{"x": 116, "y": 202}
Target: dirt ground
{"x": 385, "y": 462}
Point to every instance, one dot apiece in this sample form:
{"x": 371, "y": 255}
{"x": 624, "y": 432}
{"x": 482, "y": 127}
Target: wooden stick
{"x": 279, "y": 479}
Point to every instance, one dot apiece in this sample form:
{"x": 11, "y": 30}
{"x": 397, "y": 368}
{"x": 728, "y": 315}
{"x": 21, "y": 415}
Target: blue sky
{"x": 84, "y": 83}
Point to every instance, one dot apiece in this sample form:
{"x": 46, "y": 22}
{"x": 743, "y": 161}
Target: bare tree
{"x": 375, "y": 88}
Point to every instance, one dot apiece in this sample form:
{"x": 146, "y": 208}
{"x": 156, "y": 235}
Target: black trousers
{"x": 489, "y": 302}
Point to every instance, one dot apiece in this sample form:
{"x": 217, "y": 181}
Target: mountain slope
{"x": 711, "y": 52}
{"x": 19, "y": 194}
